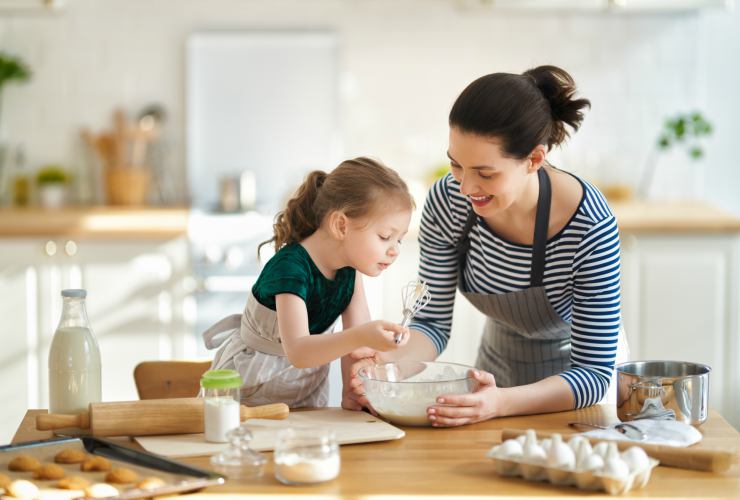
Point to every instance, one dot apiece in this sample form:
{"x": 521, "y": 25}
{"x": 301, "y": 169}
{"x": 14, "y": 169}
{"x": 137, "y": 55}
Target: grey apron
{"x": 524, "y": 339}
{"x": 250, "y": 344}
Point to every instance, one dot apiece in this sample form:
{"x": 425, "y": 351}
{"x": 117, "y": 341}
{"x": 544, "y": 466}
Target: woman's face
{"x": 491, "y": 181}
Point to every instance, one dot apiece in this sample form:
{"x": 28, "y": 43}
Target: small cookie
{"x": 150, "y": 483}
{"x": 20, "y": 488}
{"x": 49, "y": 471}
{"x": 100, "y": 464}
{"x": 73, "y": 483}
{"x": 101, "y": 490}
{"x": 24, "y": 463}
{"x": 70, "y": 456}
{"x": 121, "y": 475}
{"x": 4, "y": 481}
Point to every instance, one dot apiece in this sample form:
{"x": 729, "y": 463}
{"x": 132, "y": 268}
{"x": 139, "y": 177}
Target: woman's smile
{"x": 480, "y": 201}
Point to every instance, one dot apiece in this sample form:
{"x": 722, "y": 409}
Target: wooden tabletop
{"x": 451, "y": 463}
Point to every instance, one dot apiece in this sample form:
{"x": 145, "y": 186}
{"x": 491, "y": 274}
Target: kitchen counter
{"x": 451, "y": 463}
{"x": 673, "y": 217}
{"x": 161, "y": 223}
{"x": 95, "y": 222}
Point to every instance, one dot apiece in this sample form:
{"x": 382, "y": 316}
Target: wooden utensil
{"x": 670, "y": 456}
{"x": 148, "y": 417}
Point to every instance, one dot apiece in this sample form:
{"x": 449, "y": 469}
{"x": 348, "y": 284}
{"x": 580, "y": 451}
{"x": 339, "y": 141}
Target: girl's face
{"x": 372, "y": 243}
{"x": 491, "y": 181}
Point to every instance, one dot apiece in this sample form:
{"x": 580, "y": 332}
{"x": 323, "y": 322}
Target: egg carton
{"x": 585, "y": 479}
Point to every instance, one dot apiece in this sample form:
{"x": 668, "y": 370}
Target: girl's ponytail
{"x": 298, "y": 220}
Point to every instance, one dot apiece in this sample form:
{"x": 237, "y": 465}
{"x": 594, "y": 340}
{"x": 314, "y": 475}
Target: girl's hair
{"x": 521, "y": 110}
{"x": 357, "y": 187}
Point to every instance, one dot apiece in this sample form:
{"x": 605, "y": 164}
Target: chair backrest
{"x": 169, "y": 379}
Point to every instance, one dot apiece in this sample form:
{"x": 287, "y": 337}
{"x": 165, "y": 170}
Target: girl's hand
{"x": 381, "y": 335}
{"x": 460, "y": 409}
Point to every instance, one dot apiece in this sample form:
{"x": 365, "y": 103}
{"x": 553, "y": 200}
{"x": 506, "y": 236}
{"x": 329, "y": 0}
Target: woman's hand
{"x": 460, "y": 409}
{"x": 355, "y": 399}
{"x": 381, "y": 335}
{"x": 353, "y": 392}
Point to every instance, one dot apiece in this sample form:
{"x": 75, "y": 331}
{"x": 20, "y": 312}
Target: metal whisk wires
{"x": 415, "y": 295}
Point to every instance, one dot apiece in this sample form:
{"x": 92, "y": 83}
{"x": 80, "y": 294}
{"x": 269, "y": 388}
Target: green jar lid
{"x": 221, "y": 379}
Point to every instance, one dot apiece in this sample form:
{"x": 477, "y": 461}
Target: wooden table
{"x": 451, "y": 463}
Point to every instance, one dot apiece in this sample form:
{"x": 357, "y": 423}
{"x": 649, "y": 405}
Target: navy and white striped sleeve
{"x": 438, "y": 265}
{"x": 596, "y": 311}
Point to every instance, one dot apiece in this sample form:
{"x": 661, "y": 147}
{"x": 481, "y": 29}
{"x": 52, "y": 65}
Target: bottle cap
{"x": 221, "y": 379}
{"x": 74, "y": 292}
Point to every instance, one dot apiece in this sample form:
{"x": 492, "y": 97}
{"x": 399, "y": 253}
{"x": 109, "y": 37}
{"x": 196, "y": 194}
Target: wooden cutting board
{"x": 350, "y": 427}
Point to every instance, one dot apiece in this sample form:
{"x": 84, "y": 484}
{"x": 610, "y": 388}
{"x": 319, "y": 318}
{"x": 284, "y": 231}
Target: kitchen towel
{"x": 663, "y": 432}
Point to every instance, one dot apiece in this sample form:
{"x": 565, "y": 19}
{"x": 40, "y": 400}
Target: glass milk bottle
{"x": 74, "y": 359}
{"x": 220, "y": 390}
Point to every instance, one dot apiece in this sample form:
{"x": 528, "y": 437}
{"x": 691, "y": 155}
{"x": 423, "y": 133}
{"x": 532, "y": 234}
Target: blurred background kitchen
{"x": 146, "y": 145}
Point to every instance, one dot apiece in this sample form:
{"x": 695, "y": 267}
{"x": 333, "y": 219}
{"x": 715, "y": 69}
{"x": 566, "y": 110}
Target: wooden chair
{"x": 169, "y": 379}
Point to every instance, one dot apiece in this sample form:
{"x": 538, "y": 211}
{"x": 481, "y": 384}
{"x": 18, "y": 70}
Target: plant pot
{"x": 52, "y": 195}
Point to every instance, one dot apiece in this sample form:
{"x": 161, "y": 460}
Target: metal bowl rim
{"x": 619, "y": 369}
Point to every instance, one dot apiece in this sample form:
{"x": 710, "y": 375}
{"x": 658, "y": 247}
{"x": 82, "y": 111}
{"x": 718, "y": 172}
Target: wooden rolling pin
{"x": 148, "y": 417}
{"x": 671, "y": 456}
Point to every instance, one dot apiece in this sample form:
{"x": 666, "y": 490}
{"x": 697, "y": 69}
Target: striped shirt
{"x": 581, "y": 280}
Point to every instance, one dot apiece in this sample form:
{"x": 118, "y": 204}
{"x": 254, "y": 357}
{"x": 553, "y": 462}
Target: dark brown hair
{"x": 357, "y": 187}
{"x": 520, "y": 110}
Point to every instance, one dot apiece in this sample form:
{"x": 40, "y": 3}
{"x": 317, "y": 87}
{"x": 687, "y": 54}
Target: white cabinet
{"x": 680, "y": 302}
{"x": 135, "y": 304}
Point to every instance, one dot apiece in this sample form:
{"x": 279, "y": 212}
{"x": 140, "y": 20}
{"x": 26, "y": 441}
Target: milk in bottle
{"x": 74, "y": 358}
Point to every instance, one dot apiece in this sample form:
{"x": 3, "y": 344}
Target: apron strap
{"x": 541, "y": 223}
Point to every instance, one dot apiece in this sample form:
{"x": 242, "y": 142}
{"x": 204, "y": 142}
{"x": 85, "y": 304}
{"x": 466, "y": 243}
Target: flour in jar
{"x": 221, "y": 414}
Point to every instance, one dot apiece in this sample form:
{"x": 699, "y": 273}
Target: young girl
{"x": 336, "y": 227}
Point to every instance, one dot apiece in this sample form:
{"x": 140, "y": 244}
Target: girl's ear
{"x": 537, "y": 158}
{"x": 338, "y": 223}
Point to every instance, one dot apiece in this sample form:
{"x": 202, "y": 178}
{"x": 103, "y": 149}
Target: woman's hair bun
{"x": 558, "y": 88}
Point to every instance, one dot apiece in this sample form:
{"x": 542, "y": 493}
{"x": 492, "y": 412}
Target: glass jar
{"x": 220, "y": 391}
{"x": 74, "y": 358}
{"x": 306, "y": 455}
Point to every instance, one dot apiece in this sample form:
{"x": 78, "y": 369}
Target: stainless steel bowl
{"x": 663, "y": 389}
{"x": 402, "y": 391}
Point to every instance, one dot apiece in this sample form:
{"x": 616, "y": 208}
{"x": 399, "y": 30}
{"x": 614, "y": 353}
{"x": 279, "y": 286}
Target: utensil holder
{"x": 127, "y": 185}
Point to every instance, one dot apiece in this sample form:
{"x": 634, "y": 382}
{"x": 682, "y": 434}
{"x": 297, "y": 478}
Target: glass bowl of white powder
{"x": 402, "y": 391}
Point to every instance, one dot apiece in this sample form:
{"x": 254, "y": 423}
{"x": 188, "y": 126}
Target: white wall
{"x": 402, "y": 63}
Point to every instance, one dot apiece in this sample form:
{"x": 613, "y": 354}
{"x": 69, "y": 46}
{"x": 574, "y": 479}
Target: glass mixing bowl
{"x": 402, "y": 391}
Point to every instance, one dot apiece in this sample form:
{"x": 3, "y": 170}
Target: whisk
{"x": 415, "y": 295}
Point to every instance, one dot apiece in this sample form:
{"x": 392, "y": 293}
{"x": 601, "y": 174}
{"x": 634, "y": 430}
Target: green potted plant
{"x": 52, "y": 185}
{"x": 11, "y": 68}
{"x": 687, "y": 130}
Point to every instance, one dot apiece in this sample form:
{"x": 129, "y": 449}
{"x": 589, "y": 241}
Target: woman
{"x": 532, "y": 247}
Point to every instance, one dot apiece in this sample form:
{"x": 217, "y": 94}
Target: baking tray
{"x": 178, "y": 477}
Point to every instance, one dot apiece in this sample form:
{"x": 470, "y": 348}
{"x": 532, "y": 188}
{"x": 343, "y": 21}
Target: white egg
{"x": 533, "y": 452}
{"x": 593, "y": 462}
{"x": 560, "y": 455}
{"x": 546, "y": 443}
{"x": 636, "y": 459}
{"x": 575, "y": 442}
{"x": 601, "y": 448}
{"x": 614, "y": 466}
{"x": 511, "y": 449}
{"x": 521, "y": 439}
{"x": 584, "y": 453}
